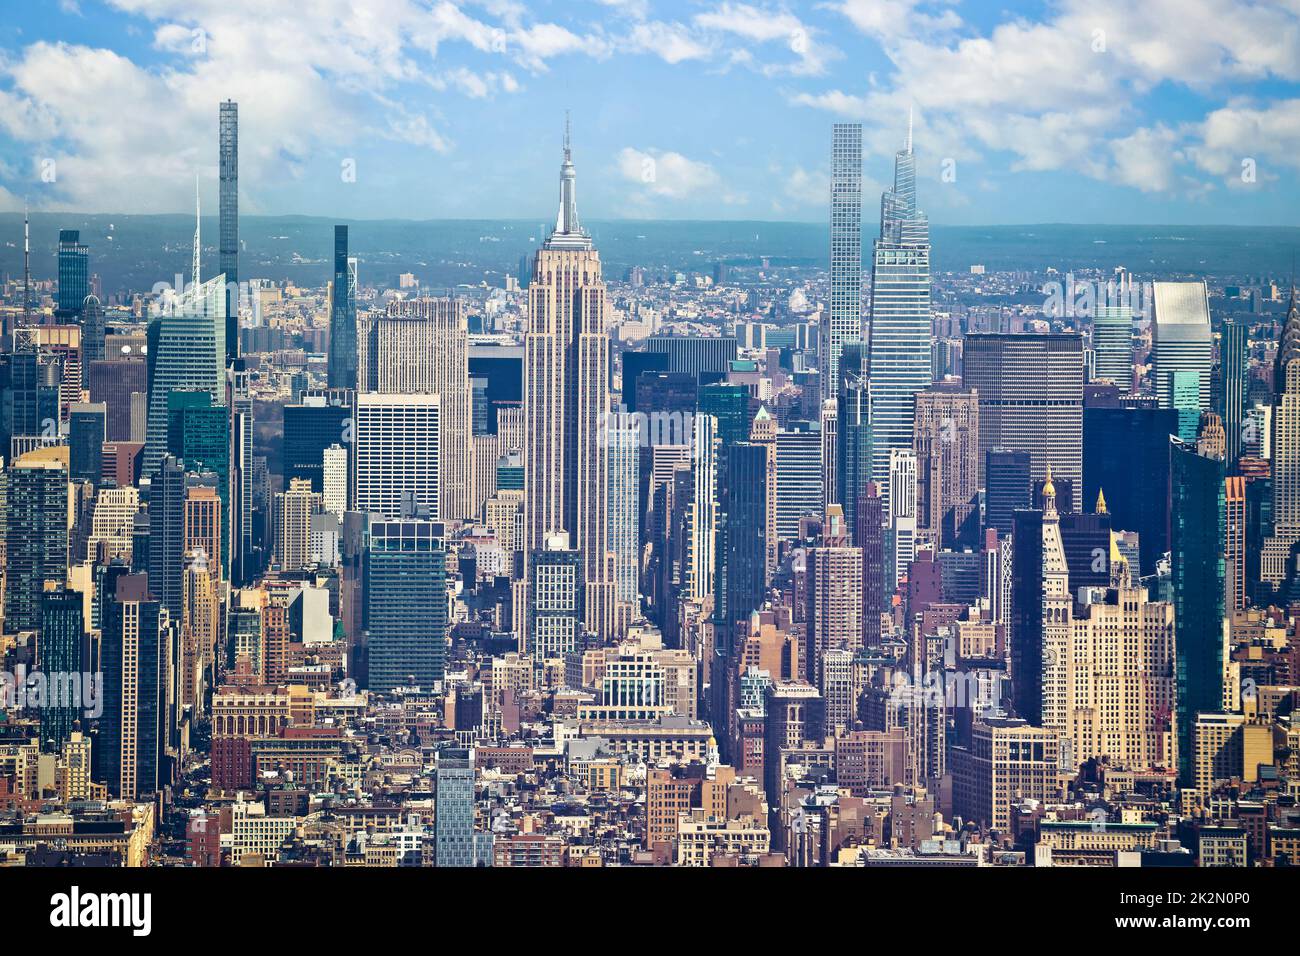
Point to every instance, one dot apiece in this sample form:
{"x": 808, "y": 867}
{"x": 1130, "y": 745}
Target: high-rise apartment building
{"x": 131, "y": 736}
{"x": 294, "y": 509}
{"x": 834, "y": 598}
{"x": 36, "y": 533}
{"x": 843, "y": 321}
{"x": 623, "y": 447}
{"x": 454, "y": 838}
{"x": 343, "y": 315}
{"x": 1112, "y": 339}
{"x": 1006, "y": 761}
{"x": 228, "y": 225}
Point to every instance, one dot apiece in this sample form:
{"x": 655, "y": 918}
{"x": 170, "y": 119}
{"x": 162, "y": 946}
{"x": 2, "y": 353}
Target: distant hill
{"x": 135, "y": 252}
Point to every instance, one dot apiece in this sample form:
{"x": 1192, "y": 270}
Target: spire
{"x": 1101, "y": 502}
{"x": 568, "y": 233}
{"x": 1288, "y": 346}
{"x": 909, "y": 128}
{"x": 1049, "y": 494}
{"x": 27, "y": 268}
{"x": 196, "y": 232}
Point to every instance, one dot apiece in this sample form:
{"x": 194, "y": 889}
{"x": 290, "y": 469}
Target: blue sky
{"x": 1168, "y": 111}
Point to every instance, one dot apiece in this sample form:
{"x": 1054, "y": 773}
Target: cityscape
{"x": 646, "y": 542}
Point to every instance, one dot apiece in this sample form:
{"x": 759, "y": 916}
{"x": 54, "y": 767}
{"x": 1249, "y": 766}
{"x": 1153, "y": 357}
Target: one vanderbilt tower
{"x": 566, "y": 402}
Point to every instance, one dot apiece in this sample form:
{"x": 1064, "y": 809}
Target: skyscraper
{"x": 855, "y": 446}
{"x": 566, "y": 400}
{"x": 623, "y": 439}
{"x": 1234, "y": 363}
{"x": 239, "y": 395}
{"x": 1126, "y": 456}
{"x": 556, "y": 594}
{"x": 1112, "y": 336}
{"x": 947, "y": 457}
{"x": 405, "y": 605}
{"x": 396, "y": 455}
{"x": 844, "y": 317}
{"x": 870, "y": 537}
{"x": 799, "y": 492}
{"x": 186, "y": 350}
{"x": 1236, "y": 583}
{"x": 454, "y": 808}
{"x": 62, "y": 629}
{"x": 343, "y": 315}
{"x": 703, "y": 514}
{"x": 1030, "y": 397}
{"x": 294, "y": 508}
{"x": 166, "y": 546}
{"x": 902, "y": 509}
{"x": 834, "y": 600}
{"x": 1276, "y": 565}
{"x": 228, "y": 209}
{"x": 319, "y": 421}
{"x": 74, "y": 276}
{"x": 421, "y": 347}
{"x": 198, "y": 434}
{"x": 86, "y": 425}
{"x": 36, "y": 533}
{"x": 900, "y": 329}
{"x": 1198, "y": 519}
{"x": 1180, "y": 338}
{"x": 130, "y": 741}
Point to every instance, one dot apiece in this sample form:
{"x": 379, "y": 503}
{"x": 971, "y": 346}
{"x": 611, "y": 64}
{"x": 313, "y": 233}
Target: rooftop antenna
{"x": 27, "y": 268}
{"x": 196, "y": 233}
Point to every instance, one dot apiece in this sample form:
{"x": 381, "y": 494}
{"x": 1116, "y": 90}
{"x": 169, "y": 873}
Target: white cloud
{"x": 671, "y": 42}
{"x": 763, "y": 26}
{"x": 1065, "y": 93}
{"x": 667, "y": 174}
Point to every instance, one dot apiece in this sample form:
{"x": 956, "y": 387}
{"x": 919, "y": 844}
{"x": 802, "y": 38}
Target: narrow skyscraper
{"x": 228, "y": 230}
{"x": 844, "y": 321}
{"x": 343, "y": 315}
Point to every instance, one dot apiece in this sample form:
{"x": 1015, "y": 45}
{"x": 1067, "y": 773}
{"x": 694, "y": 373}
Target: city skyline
{"x": 1151, "y": 126}
{"x": 677, "y": 543}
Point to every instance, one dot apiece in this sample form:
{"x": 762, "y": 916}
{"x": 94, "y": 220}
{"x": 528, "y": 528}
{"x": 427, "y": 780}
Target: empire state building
{"x": 566, "y": 403}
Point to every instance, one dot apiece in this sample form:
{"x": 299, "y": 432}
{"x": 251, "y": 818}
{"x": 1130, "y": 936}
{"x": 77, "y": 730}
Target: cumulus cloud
{"x": 771, "y": 26}
{"x": 1064, "y": 92}
{"x": 667, "y": 174}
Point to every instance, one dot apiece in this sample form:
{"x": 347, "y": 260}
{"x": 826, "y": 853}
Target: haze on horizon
{"x": 1083, "y": 111}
